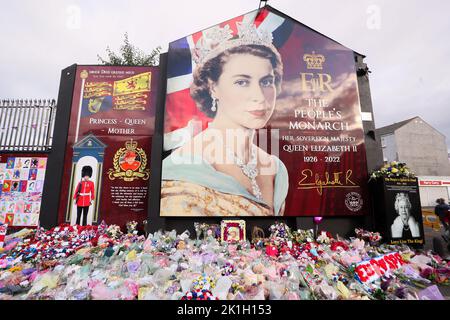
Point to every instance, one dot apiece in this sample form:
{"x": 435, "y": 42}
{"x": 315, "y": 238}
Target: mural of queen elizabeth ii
{"x": 221, "y": 171}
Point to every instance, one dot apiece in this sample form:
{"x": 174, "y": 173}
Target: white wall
{"x": 389, "y": 147}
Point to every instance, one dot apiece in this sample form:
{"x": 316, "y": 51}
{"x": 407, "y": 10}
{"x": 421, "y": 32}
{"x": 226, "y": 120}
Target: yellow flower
{"x": 394, "y": 170}
{"x": 15, "y": 269}
{"x": 394, "y": 163}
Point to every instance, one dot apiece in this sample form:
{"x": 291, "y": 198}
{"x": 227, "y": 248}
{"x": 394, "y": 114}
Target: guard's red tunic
{"x": 86, "y": 193}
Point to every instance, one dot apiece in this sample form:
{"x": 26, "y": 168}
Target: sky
{"x": 406, "y": 42}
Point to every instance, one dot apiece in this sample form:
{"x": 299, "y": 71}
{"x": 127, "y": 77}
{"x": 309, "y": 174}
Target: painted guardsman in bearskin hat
{"x": 84, "y": 194}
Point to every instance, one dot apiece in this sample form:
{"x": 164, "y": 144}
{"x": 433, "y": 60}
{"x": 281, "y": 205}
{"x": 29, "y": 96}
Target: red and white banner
{"x": 370, "y": 270}
{"x": 431, "y": 183}
{"x": 434, "y": 182}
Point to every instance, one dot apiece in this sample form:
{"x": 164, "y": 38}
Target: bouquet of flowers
{"x": 373, "y": 238}
{"x": 325, "y": 237}
{"x": 301, "y": 236}
{"x": 113, "y": 231}
{"x": 280, "y": 233}
{"x": 393, "y": 170}
{"x": 131, "y": 227}
{"x": 204, "y": 282}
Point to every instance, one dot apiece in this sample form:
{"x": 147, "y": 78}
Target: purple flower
{"x": 133, "y": 266}
{"x": 28, "y": 271}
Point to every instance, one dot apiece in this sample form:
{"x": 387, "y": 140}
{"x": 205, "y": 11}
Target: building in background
{"x": 424, "y": 150}
{"x": 419, "y": 145}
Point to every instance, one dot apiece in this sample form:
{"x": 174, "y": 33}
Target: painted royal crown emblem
{"x": 129, "y": 163}
{"x": 217, "y": 39}
{"x": 314, "y": 61}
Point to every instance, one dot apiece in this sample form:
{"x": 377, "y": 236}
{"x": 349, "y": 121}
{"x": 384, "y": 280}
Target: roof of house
{"x": 287, "y": 16}
{"x": 284, "y": 15}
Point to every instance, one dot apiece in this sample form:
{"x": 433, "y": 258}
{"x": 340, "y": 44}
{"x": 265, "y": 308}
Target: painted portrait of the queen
{"x": 220, "y": 170}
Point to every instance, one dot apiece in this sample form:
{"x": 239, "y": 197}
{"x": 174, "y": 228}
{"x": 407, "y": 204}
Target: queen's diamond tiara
{"x": 217, "y": 39}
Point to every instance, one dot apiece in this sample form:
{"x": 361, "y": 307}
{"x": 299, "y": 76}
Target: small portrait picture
{"x": 24, "y": 174}
{"x": 34, "y": 163}
{"x": 42, "y": 163}
{"x": 40, "y": 174}
{"x": 33, "y": 174}
{"x": 28, "y": 207}
{"x": 10, "y": 207}
{"x": 9, "y": 174}
{"x": 36, "y": 207}
{"x": 16, "y": 174}
{"x": 20, "y": 207}
{"x": 233, "y": 230}
{"x": 39, "y": 185}
{"x": 10, "y": 163}
{"x": 9, "y": 219}
{"x": 23, "y": 185}
{"x": 18, "y": 220}
{"x": 130, "y": 160}
{"x": 6, "y": 186}
{"x": 31, "y": 187}
{"x": 34, "y": 219}
{"x": 233, "y": 234}
{"x": 2, "y": 215}
{"x": 18, "y": 164}
{"x": 26, "y": 163}
{"x": 25, "y": 220}
{"x": 15, "y": 185}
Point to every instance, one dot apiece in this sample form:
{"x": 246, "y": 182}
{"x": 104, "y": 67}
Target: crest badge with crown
{"x": 217, "y": 39}
{"x": 129, "y": 163}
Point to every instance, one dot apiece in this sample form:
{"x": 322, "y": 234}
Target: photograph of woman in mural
{"x": 221, "y": 171}
{"x": 84, "y": 195}
{"x": 404, "y": 226}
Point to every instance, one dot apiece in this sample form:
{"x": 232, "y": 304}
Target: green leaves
{"x": 129, "y": 55}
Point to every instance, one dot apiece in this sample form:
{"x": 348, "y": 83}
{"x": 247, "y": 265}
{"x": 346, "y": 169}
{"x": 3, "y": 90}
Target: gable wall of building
{"x": 423, "y": 148}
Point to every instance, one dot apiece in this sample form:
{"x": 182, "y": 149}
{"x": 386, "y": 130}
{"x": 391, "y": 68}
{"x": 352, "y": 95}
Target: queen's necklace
{"x": 249, "y": 170}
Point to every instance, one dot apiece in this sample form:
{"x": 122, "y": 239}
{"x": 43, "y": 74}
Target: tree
{"x": 130, "y": 56}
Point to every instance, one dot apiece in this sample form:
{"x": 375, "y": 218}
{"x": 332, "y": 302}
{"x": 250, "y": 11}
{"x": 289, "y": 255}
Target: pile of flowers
{"x": 80, "y": 263}
{"x": 393, "y": 170}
